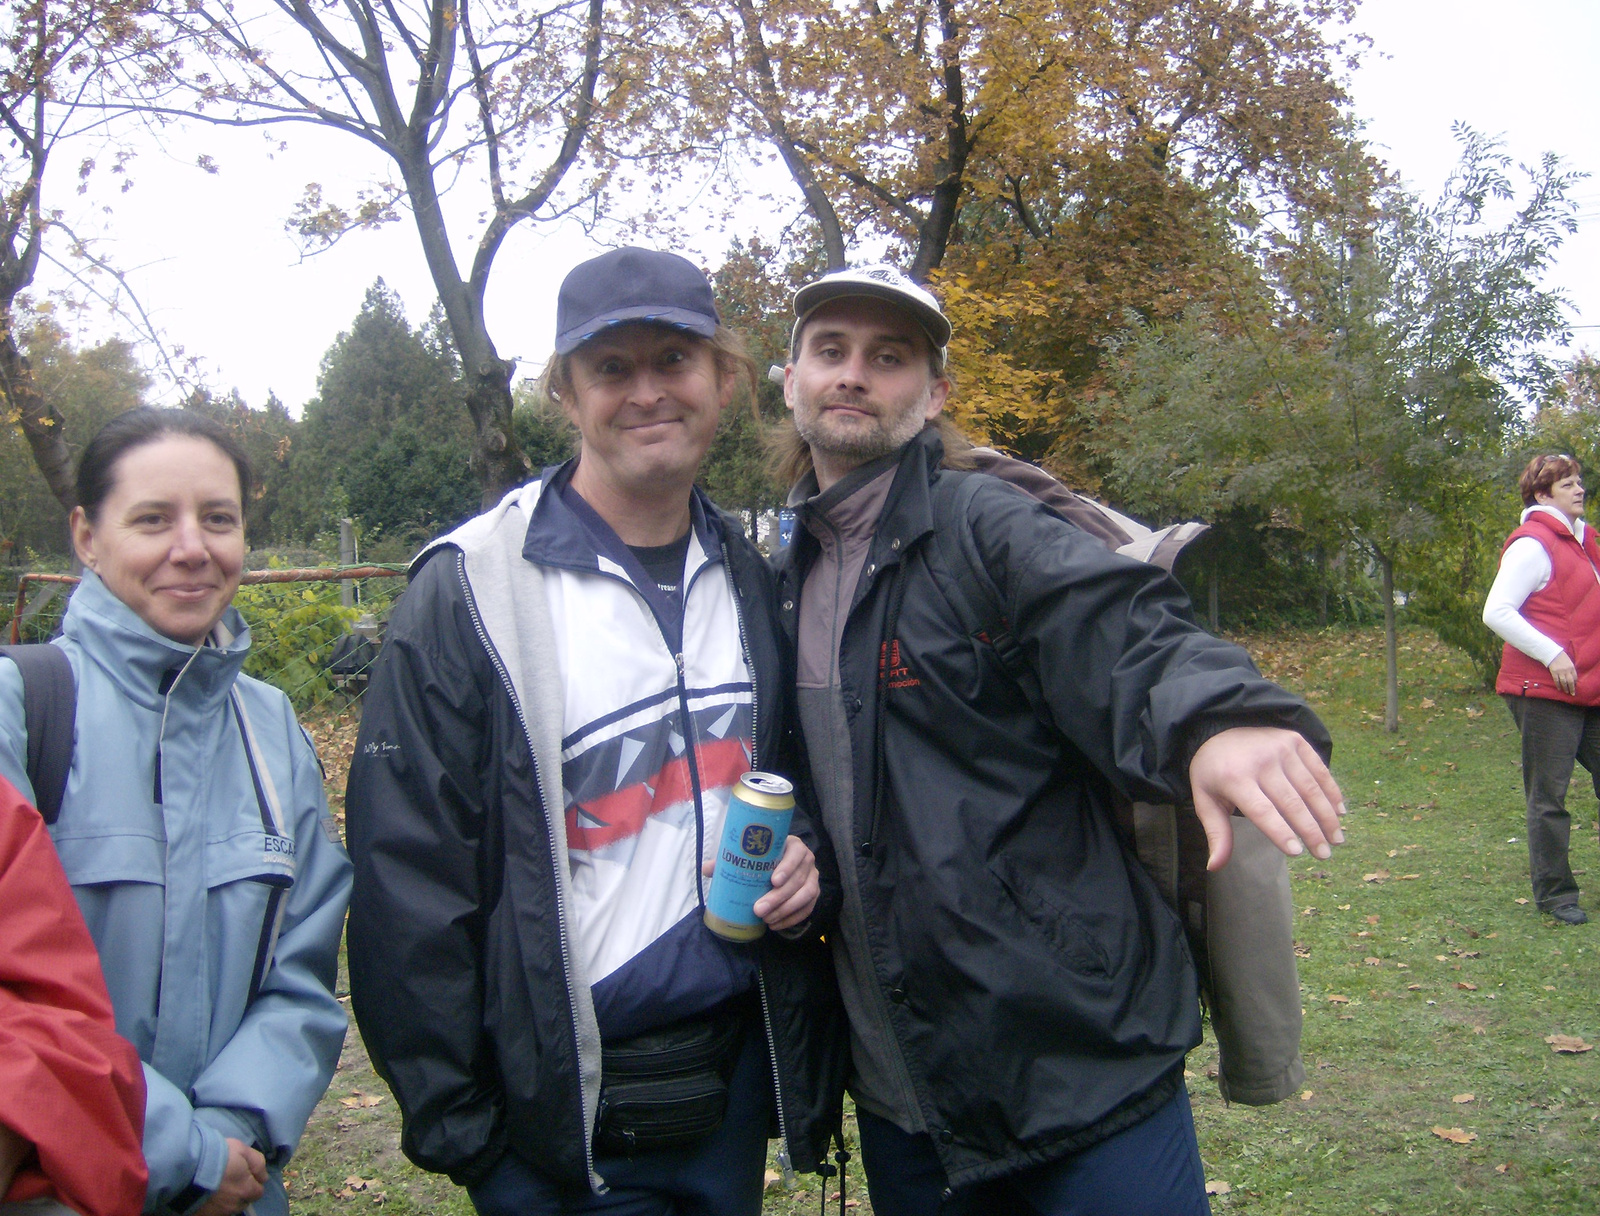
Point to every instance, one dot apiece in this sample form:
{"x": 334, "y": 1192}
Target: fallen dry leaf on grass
{"x": 360, "y": 1099}
{"x": 1218, "y": 1187}
{"x": 1502, "y": 1168}
{"x": 1567, "y": 1044}
{"x": 1336, "y": 999}
{"x": 769, "y": 1178}
{"x": 1455, "y": 1135}
{"x": 1375, "y": 876}
{"x": 1465, "y": 986}
{"x": 1463, "y": 1098}
{"x": 1413, "y": 987}
{"x": 1520, "y": 900}
{"x": 1306, "y": 1095}
{"x": 1373, "y": 962}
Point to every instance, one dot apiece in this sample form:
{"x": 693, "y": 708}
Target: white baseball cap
{"x": 879, "y": 282}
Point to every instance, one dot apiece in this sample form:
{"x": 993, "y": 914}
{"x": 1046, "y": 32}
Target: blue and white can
{"x": 753, "y": 837}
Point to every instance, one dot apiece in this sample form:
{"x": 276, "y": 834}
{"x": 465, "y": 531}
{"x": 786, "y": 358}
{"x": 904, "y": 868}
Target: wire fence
{"x": 314, "y": 632}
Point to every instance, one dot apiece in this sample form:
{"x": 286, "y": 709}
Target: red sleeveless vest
{"x": 1567, "y": 611}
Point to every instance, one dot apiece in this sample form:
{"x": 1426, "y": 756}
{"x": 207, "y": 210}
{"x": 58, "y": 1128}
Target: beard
{"x": 881, "y": 434}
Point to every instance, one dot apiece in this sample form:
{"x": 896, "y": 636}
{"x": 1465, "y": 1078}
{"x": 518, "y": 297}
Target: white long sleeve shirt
{"x": 1524, "y": 570}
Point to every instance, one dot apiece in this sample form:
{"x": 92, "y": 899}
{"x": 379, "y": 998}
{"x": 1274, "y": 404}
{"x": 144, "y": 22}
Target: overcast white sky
{"x": 229, "y": 283}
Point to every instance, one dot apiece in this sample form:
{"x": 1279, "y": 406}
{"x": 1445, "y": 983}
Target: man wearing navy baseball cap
{"x": 975, "y": 677}
{"x": 570, "y": 689}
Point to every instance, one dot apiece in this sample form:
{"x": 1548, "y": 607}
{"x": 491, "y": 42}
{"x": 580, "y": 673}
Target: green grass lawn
{"x": 1429, "y": 989}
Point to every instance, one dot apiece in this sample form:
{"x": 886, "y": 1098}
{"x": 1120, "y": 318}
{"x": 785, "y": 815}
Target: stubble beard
{"x": 859, "y": 445}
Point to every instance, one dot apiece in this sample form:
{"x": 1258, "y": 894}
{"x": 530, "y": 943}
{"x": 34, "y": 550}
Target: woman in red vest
{"x": 1545, "y": 603}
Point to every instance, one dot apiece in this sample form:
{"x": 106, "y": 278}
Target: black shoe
{"x": 1570, "y": 914}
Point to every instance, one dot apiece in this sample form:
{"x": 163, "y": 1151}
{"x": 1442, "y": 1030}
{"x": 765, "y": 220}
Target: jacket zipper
{"x": 744, "y": 645}
{"x": 785, "y": 1164}
{"x": 694, "y": 777}
{"x": 555, "y": 861}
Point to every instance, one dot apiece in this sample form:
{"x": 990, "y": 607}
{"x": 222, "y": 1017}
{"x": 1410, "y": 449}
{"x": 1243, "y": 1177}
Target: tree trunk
{"x": 496, "y": 460}
{"x": 42, "y": 424}
{"x": 1322, "y": 588}
{"x": 1391, "y": 657}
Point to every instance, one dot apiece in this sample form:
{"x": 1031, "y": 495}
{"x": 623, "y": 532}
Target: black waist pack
{"x": 668, "y": 1088}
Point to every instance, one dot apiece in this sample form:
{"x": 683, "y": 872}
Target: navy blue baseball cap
{"x": 633, "y": 285}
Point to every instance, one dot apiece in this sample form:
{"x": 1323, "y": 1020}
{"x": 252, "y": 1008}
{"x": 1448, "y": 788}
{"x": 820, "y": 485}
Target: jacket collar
{"x": 568, "y": 533}
{"x": 1573, "y": 528}
{"x": 907, "y": 513}
{"x": 145, "y": 665}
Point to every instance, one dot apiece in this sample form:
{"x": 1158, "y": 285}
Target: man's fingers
{"x": 790, "y": 906}
{"x": 1213, "y": 818}
{"x": 1256, "y": 806}
{"x": 1318, "y": 790}
{"x": 1280, "y": 798}
{"x": 1330, "y": 788}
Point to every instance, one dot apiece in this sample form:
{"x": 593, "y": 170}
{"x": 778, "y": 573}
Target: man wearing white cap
{"x": 1020, "y": 997}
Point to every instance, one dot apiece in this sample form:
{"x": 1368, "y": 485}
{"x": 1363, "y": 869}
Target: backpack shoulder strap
{"x": 977, "y": 601}
{"x": 49, "y": 705}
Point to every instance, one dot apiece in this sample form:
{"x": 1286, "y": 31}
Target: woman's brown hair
{"x": 1542, "y": 474}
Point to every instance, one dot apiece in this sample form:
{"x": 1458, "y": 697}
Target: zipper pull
{"x": 785, "y": 1166}
{"x": 678, "y": 658}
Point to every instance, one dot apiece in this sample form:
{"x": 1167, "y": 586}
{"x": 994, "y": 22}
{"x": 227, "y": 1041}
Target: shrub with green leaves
{"x": 293, "y": 627}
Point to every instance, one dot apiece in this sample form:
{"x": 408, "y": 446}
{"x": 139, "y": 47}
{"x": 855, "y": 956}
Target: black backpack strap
{"x": 50, "y": 707}
{"x": 977, "y": 600}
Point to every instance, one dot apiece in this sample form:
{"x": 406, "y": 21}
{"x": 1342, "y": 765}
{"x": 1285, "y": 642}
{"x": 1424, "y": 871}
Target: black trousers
{"x": 1554, "y": 735}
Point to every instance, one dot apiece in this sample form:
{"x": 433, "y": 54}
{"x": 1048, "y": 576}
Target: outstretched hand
{"x": 1276, "y": 780}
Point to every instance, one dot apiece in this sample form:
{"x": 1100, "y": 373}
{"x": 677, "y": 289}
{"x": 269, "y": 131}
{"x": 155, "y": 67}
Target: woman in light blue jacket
{"x": 194, "y": 828}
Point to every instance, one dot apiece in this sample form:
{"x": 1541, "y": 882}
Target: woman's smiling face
{"x": 168, "y": 540}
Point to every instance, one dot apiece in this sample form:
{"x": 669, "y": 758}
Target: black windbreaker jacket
{"x": 457, "y": 963}
{"x": 1040, "y": 989}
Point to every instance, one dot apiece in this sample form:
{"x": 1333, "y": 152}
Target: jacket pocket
{"x": 1043, "y": 911}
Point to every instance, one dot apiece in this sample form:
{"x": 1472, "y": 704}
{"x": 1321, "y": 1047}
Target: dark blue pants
{"x": 1150, "y": 1169}
{"x": 723, "y": 1175}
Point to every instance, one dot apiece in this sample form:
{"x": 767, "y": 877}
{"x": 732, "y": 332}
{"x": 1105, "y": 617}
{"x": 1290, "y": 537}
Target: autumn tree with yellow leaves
{"x": 1049, "y": 164}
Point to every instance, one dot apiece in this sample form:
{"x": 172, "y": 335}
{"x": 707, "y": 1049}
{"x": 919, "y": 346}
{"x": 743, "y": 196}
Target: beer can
{"x": 753, "y": 836}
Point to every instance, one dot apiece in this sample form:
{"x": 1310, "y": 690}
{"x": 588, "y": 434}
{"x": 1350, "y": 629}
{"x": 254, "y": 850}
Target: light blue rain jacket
{"x": 213, "y": 882}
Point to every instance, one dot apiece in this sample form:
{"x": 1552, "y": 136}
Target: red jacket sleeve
{"x": 68, "y": 1082}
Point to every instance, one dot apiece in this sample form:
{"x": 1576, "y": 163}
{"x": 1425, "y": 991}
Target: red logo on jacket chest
{"x": 891, "y": 667}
